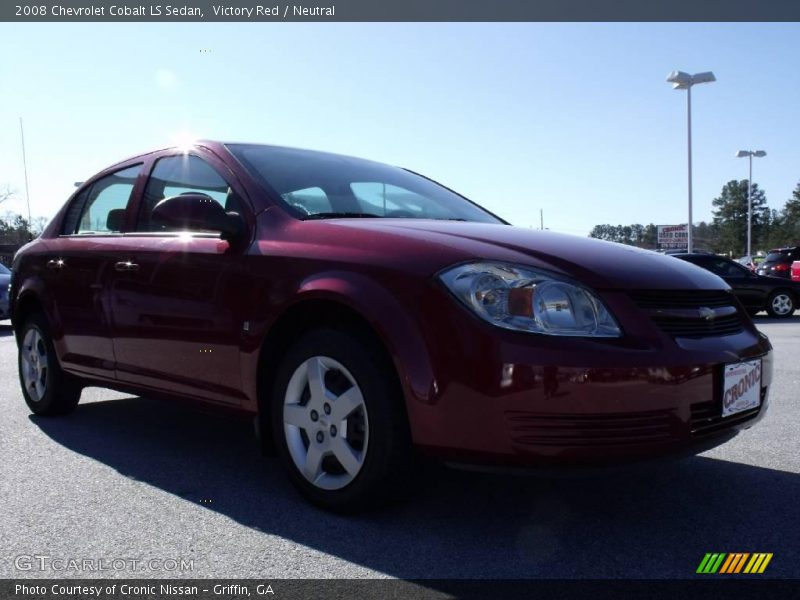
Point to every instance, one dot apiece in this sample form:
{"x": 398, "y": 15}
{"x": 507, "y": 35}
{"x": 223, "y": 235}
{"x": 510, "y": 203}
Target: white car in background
{"x": 748, "y": 262}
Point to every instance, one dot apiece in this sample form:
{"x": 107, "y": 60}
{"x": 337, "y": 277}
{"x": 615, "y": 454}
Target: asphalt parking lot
{"x": 127, "y": 477}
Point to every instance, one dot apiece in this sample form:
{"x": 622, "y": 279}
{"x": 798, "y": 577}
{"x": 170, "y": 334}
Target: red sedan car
{"x": 364, "y": 313}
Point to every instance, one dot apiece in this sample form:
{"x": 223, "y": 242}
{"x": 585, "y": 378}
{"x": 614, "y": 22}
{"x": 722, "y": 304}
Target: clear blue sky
{"x": 574, "y": 119}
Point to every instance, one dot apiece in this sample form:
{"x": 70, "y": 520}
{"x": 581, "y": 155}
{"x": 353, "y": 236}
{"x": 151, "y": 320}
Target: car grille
{"x": 707, "y": 419}
{"x": 677, "y": 313}
{"x": 537, "y": 429}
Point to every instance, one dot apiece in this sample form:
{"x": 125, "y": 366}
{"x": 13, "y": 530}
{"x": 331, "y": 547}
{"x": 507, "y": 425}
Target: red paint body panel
{"x": 192, "y": 319}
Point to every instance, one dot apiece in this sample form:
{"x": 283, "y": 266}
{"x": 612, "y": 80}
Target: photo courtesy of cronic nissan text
{"x": 415, "y": 299}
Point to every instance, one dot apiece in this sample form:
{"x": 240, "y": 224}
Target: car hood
{"x": 433, "y": 245}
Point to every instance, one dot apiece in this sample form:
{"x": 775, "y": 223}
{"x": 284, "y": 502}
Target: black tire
{"x": 59, "y": 392}
{"x": 386, "y": 457}
{"x": 781, "y": 304}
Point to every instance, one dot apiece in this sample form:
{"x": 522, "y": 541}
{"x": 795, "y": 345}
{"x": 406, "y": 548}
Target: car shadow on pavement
{"x": 767, "y": 320}
{"x": 645, "y": 523}
{"x": 5, "y": 329}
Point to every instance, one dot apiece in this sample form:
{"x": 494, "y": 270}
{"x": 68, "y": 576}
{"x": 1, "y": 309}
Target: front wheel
{"x": 46, "y": 388}
{"x": 781, "y": 304}
{"x": 338, "y": 421}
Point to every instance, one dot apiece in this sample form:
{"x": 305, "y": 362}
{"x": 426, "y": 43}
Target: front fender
{"x": 388, "y": 317}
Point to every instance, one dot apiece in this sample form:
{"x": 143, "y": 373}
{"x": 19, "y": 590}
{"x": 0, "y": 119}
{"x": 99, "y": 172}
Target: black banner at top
{"x": 397, "y": 10}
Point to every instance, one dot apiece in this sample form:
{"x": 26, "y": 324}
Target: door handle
{"x": 126, "y": 265}
{"x": 56, "y": 263}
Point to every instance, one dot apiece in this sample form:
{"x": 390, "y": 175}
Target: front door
{"x": 173, "y": 299}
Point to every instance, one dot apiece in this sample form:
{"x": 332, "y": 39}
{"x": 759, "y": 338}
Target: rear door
{"x": 175, "y": 299}
{"x": 76, "y": 267}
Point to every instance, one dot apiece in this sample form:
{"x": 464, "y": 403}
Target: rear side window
{"x": 100, "y": 208}
{"x": 176, "y": 175}
{"x": 726, "y": 268}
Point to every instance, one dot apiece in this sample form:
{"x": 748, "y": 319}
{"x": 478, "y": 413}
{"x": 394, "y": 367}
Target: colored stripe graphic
{"x": 729, "y": 563}
{"x": 741, "y": 562}
{"x": 758, "y": 563}
{"x": 711, "y": 562}
{"x": 734, "y": 563}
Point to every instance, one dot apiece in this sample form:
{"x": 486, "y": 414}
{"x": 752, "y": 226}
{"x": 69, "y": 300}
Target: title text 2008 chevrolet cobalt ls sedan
{"x": 363, "y": 311}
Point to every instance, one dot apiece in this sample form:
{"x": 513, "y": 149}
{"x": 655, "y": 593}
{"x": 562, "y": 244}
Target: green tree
{"x": 789, "y": 230}
{"x": 643, "y": 236}
{"x": 730, "y": 217}
{"x": 14, "y": 228}
{"x": 705, "y": 237}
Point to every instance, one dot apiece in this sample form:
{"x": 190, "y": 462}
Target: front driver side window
{"x": 176, "y": 175}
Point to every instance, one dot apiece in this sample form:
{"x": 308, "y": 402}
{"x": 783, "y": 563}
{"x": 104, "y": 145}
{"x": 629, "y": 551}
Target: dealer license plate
{"x": 741, "y": 389}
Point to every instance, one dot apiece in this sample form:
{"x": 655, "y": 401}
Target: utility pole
{"x": 541, "y": 218}
{"x": 25, "y": 169}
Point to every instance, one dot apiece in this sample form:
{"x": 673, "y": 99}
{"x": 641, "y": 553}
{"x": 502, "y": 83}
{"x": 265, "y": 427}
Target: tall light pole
{"x": 684, "y": 81}
{"x": 750, "y": 154}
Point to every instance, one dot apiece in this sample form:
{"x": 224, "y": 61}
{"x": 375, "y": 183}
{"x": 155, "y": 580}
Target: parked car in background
{"x": 779, "y": 297}
{"x": 796, "y": 270}
{"x": 748, "y": 262}
{"x": 5, "y": 280}
{"x": 778, "y": 262}
{"x": 362, "y": 314}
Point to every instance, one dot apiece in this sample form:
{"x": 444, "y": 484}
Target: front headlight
{"x": 527, "y": 299}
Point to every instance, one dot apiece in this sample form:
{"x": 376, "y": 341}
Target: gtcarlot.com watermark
{"x": 58, "y": 564}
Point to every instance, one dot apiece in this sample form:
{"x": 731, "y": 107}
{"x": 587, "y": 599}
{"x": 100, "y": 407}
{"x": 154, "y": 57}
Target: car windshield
{"x": 4, "y": 270}
{"x": 316, "y": 185}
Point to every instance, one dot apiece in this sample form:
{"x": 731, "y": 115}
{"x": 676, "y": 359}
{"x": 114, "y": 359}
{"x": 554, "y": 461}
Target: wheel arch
{"x": 355, "y": 306}
{"x": 25, "y": 305}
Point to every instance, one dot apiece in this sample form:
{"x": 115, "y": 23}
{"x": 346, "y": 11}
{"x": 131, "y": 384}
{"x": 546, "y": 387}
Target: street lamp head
{"x": 705, "y": 77}
{"x": 679, "y": 80}
{"x": 755, "y": 153}
{"x": 683, "y": 81}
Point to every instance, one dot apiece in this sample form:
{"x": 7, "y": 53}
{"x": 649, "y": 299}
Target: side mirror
{"x": 196, "y": 212}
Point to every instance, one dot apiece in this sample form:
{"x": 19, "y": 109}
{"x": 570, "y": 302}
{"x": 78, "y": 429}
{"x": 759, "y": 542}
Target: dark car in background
{"x": 778, "y": 296}
{"x": 5, "y": 280}
{"x": 778, "y": 262}
{"x": 363, "y": 314}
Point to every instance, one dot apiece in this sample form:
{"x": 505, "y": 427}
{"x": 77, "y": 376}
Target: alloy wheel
{"x": 782, "y": 304}
{"x": 34, "y": 364}
{"x": 325, "y": 423}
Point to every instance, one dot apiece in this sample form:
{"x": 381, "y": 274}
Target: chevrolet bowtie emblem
{"x": 707, "y": 313}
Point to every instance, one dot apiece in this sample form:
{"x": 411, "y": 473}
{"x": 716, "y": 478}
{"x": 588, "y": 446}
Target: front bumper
{"x": 514, "y": 399}
{"x": 4, "y": 309}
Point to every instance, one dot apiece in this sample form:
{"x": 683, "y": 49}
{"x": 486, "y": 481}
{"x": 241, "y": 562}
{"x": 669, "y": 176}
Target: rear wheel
{"x": 338, "y": 422}
{"x": 46, "y": 388}
{"x": 781, "y": 304}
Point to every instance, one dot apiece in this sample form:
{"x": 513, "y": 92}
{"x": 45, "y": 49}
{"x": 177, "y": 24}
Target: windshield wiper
{"x": 341, "y": 215}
